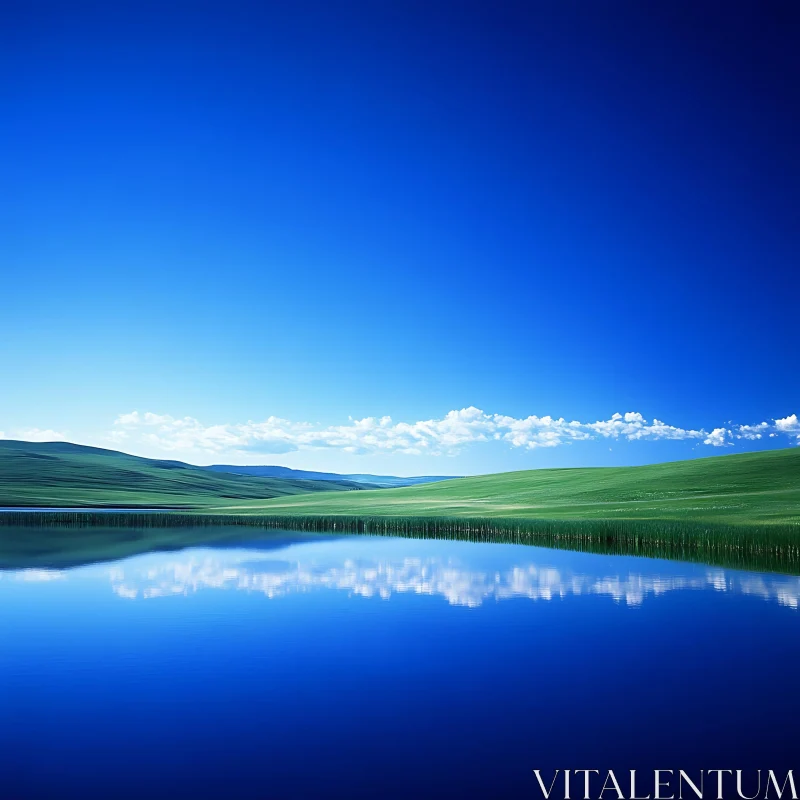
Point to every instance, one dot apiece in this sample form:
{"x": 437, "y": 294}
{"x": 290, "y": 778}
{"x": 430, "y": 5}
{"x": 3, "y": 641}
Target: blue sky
{"x": 324, "y": 212}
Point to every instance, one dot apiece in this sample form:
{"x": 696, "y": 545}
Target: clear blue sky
{"x": 325, "y": 211}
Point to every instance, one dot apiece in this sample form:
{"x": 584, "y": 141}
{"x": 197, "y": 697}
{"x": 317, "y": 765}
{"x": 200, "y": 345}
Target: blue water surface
{"x": 376, "y": 667}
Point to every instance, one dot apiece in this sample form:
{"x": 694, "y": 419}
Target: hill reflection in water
{"x": 324, "y": 666}
{"x": 361, "y": 567}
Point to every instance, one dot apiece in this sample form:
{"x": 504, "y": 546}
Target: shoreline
{"x": 772, "y": 548}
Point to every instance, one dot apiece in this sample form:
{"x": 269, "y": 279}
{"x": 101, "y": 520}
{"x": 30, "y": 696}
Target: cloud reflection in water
{"x": 459, "y": 584}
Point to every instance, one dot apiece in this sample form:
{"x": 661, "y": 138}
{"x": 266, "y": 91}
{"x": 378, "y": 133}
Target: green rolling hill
{"x": 368, "y": 481}
{"x": 737, "y": 510}
{"x": 60, "y": 474}
{"x": 747, "y": 488}
{"x": 762, "y": 487}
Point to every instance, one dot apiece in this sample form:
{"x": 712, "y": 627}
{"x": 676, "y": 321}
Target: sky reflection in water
{"x": 379, "y": 667}
{"x": 347, "y": 565}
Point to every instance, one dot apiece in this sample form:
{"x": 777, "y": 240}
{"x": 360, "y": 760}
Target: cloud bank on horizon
{"x": 35, "y": 435}
{"x": 444, "y": 436}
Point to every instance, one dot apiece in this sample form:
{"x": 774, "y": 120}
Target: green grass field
{"x": 739, "y": 510}
{"x": 750, "y": 488}
{"x": 56, "y": 474}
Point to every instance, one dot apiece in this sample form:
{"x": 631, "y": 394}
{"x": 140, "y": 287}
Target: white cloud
{"x": 752, "y": 432}
{"x": 128, "y": 419}
{"x": 718, "y": 437}
{"x": 788, "y": 424}
{"x": 635, "y": 426}
{"x": 39, "y": 575}
{"x": 445, "y": 435}
{"x": 39, "y": 435}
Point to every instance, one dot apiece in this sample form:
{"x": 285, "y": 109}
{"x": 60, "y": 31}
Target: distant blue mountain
{"x": 376, "y": 481}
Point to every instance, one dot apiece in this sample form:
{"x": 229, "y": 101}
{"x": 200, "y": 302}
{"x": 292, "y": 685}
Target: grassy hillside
{"x": 55, "y": 474}
{"x": 740, "y": 510}
{"x": 367, "y": 481}
{"x": 747, "y": 488}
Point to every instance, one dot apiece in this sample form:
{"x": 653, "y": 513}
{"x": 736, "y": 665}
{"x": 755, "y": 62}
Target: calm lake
{"x": 311, "y": 666}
